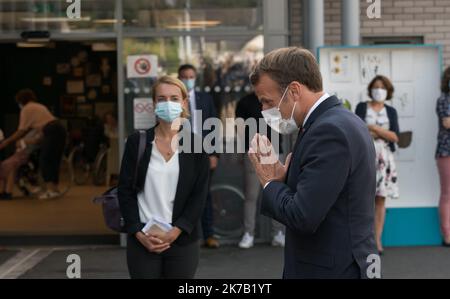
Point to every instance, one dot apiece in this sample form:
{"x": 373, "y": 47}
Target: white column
{"x": 305, "y": 23}
{"x": 120, "y": 87}
{"x": 276, "y": 26}
{"x": 350, "y": 22}
{"x": 315, "y": 25}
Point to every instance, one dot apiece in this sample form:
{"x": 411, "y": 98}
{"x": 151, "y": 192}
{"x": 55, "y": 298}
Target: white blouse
{"x": 156, "y": 199}
{"x": 377, "y": 118}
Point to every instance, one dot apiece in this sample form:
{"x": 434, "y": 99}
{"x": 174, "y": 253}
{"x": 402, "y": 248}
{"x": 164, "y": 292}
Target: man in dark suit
{"x": 201, "y": 107}
{"x": 325, "y": 192}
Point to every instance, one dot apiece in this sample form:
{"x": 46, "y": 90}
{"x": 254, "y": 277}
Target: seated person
{"x": 9, "y": 167}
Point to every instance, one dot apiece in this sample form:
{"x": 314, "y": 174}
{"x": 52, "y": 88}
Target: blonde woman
{"x": 171, "y": 187}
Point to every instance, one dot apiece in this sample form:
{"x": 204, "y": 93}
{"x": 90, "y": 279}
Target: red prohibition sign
{"x": 142, "y": 66}
{"x": 141, "y": 107}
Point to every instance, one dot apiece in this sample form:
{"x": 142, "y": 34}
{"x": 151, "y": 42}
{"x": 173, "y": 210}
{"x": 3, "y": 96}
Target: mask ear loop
{"x": 282, "y": 97}
{"x": 293, "y": 110}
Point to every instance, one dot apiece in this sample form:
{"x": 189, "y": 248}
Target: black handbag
{"x": 109, "y": 200}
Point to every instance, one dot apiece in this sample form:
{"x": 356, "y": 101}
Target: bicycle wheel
{"x": 100, "y": 168}
{"x": 79, "y": 166}
{"x": 228, "y": 205}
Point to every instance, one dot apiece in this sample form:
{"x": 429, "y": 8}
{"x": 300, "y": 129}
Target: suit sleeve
{"x": 194, "y": 207}
{"x": 321, "y": 179}
{"x": 126, "y": 192}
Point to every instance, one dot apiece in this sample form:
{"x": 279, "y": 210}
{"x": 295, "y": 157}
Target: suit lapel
{"x": 143, "y": 164}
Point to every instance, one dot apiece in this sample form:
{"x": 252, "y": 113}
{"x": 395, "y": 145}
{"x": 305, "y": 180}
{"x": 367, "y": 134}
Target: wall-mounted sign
{"x": 144, "y": 115}
{"x": 142, "y": 66}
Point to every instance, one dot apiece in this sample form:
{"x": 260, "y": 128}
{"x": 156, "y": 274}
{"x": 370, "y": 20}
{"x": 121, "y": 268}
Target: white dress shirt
{"x": 314, "y": 107}
{"x": 311, "y": 110}
{"x": 156, "y": 199}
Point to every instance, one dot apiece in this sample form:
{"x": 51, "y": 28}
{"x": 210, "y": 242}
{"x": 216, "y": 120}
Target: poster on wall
{"x": 47, "y": 81}
{"x": 403, "y": 100}
{"x": 78, "y": 72}
{"x": 340, "y": 67}
{"x": 373, "y": 64}
{"x": 74, "y": 87}
{"x": 92, "y": 94}
{"x": 402, "y": 65}
{"x": 415, "y": 73}
{"x": 142, "y": 66}
{"x": 144, "y": 116}
{"x": 106, "y": 89}
{"x": 94, "y": 80}
{"x": 62, "y": 68}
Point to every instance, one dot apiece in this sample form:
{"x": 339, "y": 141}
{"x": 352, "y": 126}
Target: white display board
{"x": 415, "y": 72}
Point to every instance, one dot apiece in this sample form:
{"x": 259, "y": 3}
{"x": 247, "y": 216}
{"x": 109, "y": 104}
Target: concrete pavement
{"x": 260, "y": 262}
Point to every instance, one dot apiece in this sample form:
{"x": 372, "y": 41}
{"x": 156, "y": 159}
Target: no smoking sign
{"x": 142, "y": 66}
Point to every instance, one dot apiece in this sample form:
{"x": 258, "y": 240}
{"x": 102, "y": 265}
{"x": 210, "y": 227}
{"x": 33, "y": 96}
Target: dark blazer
{"x": 205, "y": 103}
{"x": 327, "y": 200}
{"x": 361, "y": 111}
{"x": 191, "y": 190}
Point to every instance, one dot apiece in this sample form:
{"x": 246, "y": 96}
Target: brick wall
{"x": 429, "y": 19}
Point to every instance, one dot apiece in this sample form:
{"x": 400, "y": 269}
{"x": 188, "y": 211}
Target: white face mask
{"x": 275, "y": 120}
{"x": 379, "y": 94}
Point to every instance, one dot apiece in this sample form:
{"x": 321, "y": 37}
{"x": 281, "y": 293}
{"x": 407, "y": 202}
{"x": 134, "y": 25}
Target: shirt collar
{"x": 318, "y": 102}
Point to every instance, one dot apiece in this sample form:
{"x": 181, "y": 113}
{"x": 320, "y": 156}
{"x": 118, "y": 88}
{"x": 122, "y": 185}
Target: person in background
{"x": 170, "y": 186}
{"x": 382, "y": 121}
{"x": 443, "y": 156}
{"x": 249, "y": 107}
{"x": 9, "y": 167}
{"x": 110, "y": 125}
{"x": 201, "y": 102}
{"x": 52, "y": 138}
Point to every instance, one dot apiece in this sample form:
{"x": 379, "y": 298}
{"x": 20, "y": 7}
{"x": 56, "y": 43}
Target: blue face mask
{"x": 189, "y": 83}
{"x": 168, "y": 110}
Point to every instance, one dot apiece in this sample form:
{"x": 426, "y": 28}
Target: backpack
{"x": 110, "y": 201}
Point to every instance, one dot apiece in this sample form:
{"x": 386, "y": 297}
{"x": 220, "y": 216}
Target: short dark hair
{"x": 186, "y": 67}
{"x": 25, "y": 96}
{"x": 286, "y": 65}
{"x": 387, "y": 84}
{"x": 445, "y": 88}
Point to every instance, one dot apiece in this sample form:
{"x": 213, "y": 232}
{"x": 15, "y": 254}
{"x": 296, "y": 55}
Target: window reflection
{"x": 193, "y": 15}
{"x": 21, "y": 15}
{"x": 223, "y": 65}
{"x": 162, "y": 15}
